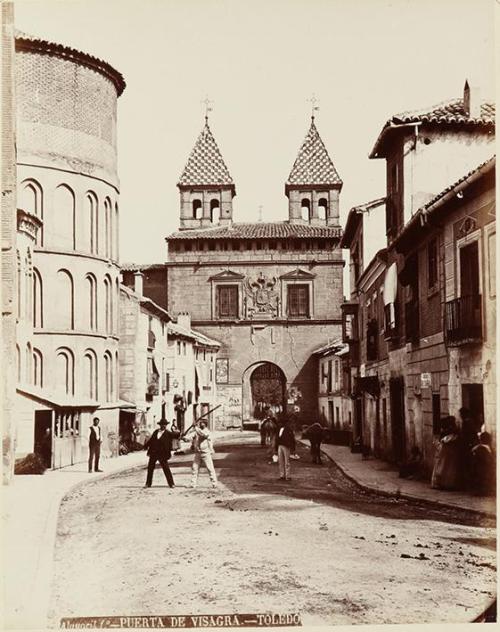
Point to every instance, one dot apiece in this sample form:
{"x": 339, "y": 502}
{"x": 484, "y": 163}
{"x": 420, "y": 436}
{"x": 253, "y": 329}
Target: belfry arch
{"x": 263, "y": 385}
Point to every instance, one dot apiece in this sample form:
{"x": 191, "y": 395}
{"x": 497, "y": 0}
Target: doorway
{"x": 43, "y": 436}
{"x": 397, "y": 395}
{"x": 267, "y": 385}
{"x": 469, "y": 270}
{"x": 472, "y": 398}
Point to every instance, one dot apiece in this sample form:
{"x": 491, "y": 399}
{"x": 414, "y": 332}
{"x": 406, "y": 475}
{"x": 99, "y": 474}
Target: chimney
{"x": 472, "y": 101}
{"x": 184, "y": 320}
{"x": 139, "y": 283}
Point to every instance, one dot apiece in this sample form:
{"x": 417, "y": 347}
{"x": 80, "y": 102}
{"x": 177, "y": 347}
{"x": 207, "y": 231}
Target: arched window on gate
{"x": 197, "y": 210}
{"x": 214, "y": 211}
{"x": 305, "y": 209}
{"x": 322, "y": 208}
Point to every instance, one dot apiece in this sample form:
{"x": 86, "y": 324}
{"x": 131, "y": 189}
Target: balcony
{"x": 151, "y": 340}
{"x": 412, "y": 322}
{"x": 463, "y": 321}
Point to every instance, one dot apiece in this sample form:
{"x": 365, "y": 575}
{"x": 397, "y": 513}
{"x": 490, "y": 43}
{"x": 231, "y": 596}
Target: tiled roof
{"x": 205, "y": 165}
{"x": 176, "y": 330}
{"x": 313, "y": 165}
{"x": 418, "y": 220}
{"x": 28, "y": 42}
{"x": 141, "y": 267}
{"x": 449, "y": 112}
{"x": 259, "y": 230}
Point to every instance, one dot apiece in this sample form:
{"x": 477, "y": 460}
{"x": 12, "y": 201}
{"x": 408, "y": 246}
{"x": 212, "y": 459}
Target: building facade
{"x": 67, "y": 180}
{"x": 191, "y": 386}
{"x": 268, "y": 292}
{"x": 334, "y": 391}
{"x": 418, "y": 373}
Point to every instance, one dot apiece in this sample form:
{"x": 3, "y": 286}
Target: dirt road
{"x": 316, "y": 545}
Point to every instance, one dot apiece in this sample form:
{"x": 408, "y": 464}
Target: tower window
{"x": 322, "y": 208}
{"x": 214, "y": 211}
{"x": 196, "y": 209}
{"x": 305, "y": 209}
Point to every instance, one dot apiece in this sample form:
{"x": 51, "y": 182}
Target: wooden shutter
{"x": 298, "y": 300}
{"x": 228, "y": 301}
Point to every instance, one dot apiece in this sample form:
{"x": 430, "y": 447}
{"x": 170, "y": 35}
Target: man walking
{"x": 203, "y": 450}
{"x": 95, "y": 441}
{"x": 315, "y": 434}
{"x": 159, "y": 448}
{"x": 286, "y": 445}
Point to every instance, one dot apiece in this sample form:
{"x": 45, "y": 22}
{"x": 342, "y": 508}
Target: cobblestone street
{"x": 317, "y": 546}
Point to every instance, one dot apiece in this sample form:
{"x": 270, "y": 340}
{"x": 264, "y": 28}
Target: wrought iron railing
{"x": 463, "y": 320}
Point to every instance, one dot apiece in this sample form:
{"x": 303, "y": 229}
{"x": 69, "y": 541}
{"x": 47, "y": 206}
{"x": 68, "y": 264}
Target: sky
{"x": 260, "y": 62}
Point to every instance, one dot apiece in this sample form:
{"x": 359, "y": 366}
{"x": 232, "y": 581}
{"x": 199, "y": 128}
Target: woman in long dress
{"x": 446, "y": 471}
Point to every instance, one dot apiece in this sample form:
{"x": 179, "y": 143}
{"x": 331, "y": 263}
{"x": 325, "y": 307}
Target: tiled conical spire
{"x": 313, "y": 165}
{"x": 205, "y": 165}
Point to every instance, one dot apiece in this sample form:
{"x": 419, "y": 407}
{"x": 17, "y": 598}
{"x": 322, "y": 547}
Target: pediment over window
{"x": 298, "y": 274}
{"x": 227, "y": 275}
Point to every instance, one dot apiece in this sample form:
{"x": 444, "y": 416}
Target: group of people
{"x": 464, "y": 459}
{"x": 159, "y": 450}
{"x": 279, "y": 435}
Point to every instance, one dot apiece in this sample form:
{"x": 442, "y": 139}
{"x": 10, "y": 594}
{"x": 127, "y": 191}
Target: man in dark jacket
{"x": 285, "y": 440}
{"x": 315, "y": 434}
{"x": 95, "y": 441}
{"x": 159, "y": 447}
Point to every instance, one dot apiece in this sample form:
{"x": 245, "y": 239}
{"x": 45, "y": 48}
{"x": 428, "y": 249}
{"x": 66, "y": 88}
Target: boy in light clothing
{"x": 203, "y": 450}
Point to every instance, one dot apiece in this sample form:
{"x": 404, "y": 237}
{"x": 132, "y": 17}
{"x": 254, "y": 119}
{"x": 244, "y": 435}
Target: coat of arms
{"x": 262, "y": 300}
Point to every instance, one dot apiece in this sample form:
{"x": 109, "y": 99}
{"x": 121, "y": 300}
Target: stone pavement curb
{"x": 403, "y": 495}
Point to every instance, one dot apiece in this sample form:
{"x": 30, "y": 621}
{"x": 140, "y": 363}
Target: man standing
{"x": 286, "y": 445}
{"x": 159, "y": 448}
{"x": 203, "y": 450}
{"x": 95, "y": 441}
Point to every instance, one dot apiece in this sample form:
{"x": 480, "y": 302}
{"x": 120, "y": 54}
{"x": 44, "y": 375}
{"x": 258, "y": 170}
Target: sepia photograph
{"x": 248, "y": 285}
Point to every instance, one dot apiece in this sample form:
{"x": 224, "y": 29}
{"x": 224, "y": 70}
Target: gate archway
{"x": 264, "y": 386}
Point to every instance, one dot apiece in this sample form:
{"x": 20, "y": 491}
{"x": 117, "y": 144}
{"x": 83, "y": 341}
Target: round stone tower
{"x": 67, "y": 178}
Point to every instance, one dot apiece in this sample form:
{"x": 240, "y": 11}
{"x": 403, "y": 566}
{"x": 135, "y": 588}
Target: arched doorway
{"x": 264, "y": 386}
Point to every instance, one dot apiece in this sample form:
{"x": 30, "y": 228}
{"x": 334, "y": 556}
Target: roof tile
{"x": 260, "y": 230}
{"x": 205, "y": 165}
{"x": 313, "y": 165}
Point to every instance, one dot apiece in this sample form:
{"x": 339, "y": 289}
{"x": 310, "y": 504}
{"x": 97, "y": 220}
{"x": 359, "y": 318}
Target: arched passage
{"x": 264, "y": 386}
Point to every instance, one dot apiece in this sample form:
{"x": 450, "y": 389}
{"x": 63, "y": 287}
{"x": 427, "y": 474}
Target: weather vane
{"x": 314, "y": 108}
{"x": 208, "y": 109}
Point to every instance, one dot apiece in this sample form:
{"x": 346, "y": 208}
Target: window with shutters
{"x": 298, "y": 301}
{"x": 227, "y": 301}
